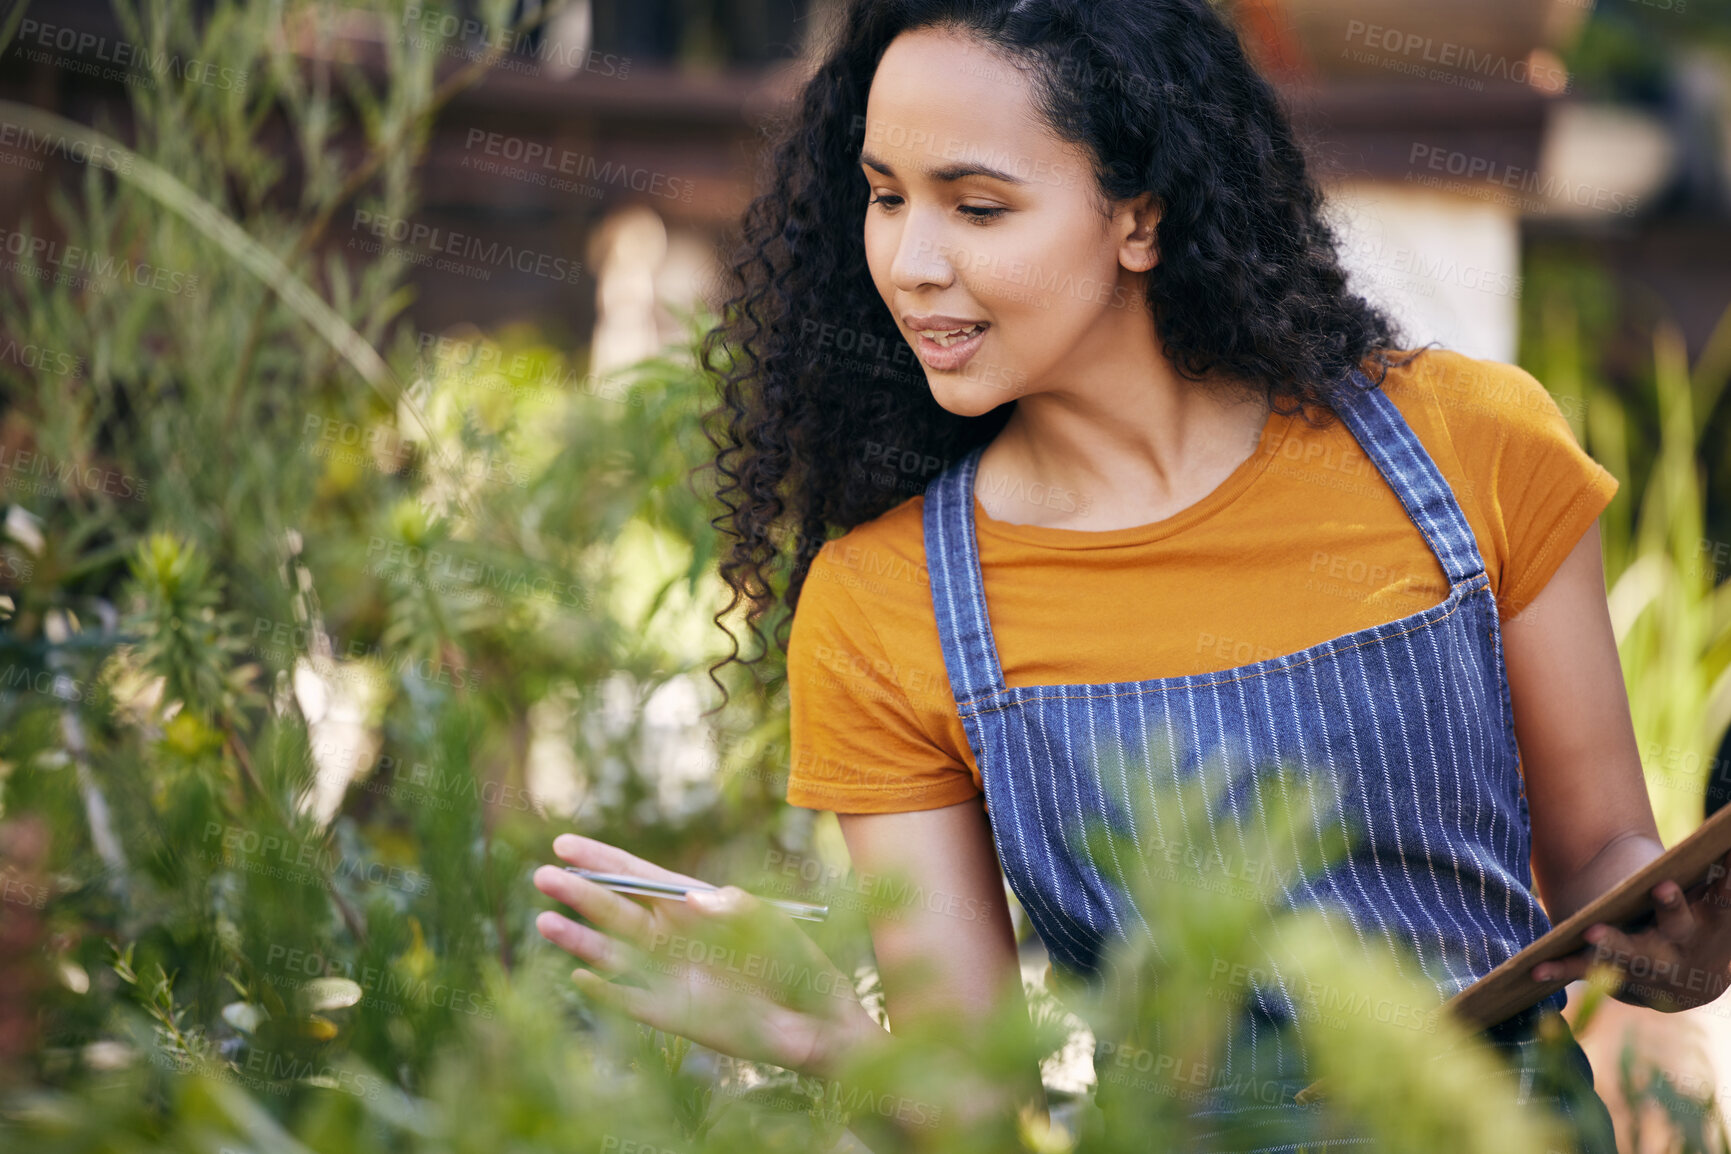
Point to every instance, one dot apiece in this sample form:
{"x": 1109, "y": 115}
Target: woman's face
{"x": 987, "y": 236}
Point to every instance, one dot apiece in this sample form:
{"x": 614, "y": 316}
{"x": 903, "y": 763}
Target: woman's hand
{"x": 1682, "y": 961}
{"x": 723, "y": 969}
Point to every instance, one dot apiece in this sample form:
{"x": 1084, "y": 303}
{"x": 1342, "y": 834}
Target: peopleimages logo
{"x": 379, "y": 982}
{"x": 546, "y": 165}
{"x": 303, "y": 861}
{"x": 1484, "y": 169}
{"x": 126, "y": 56}
{"x": 1453, "y": 60}
{"x": 426, "y": 26}
{"x": 76, "y": 151}
{"x": 71, "y": 260}
{"x": 452, "y": 572}
{"x": 286, "y": 642}
{"x": 26, "y": 463}
{"x": 433, "y": 240}
{"x": 43, "y": 360}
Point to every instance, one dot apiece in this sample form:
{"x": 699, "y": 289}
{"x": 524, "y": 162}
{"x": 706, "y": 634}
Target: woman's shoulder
{"x": 1482, "y": 419}
{"x": 865, "y": 614}
{"x": 877, "y": 561}
{"x": 1502, "y": 441}
{"x": 1472, "y": 392}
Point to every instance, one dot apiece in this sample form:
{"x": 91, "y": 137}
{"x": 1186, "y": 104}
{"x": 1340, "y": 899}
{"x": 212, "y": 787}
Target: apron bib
{"x": 1410, "y": 721}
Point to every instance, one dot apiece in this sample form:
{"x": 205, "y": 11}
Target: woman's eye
{"x": 975, "y": 212}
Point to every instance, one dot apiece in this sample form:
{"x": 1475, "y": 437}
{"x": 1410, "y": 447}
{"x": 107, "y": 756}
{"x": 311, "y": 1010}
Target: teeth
{"x": 944, "y": 338}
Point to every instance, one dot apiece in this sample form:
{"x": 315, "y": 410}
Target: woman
{"x": 1064, "y": 263}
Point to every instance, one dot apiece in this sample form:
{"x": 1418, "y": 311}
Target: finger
{"x": 587, "y": 853}
{"x": 612, "y": 913}
{"x": 1675, "y": 921}
{"x": 1613, "y": 945}
{"x": 632, "y": 1000}
{"x": 1721, "y": 889}
{"x": 585, "y": 942}
{"x": 1567, "y": 969}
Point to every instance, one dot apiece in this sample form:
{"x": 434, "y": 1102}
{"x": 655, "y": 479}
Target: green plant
{"x": 1671, "y": 614}
{"x": 295, "y": 611}
{"x": 1670, "y": 609}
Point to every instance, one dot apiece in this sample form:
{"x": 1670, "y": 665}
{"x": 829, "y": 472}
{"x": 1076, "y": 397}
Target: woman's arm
{"x": 960, "y": 929}
{"x": 955, "y": 947}
{"x": 1592, "y": 822}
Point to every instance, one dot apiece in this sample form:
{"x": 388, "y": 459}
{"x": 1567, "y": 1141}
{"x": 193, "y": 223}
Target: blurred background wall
{"x": 1454, "y": 138}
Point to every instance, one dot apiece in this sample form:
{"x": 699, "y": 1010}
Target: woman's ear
{"x": 1138, "y": 221}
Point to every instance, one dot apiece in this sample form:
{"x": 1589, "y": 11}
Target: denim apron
{"x": 1411, "y": 722}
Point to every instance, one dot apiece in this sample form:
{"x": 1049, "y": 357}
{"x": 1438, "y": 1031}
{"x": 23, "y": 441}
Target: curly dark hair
{"x": 805, "y": 357}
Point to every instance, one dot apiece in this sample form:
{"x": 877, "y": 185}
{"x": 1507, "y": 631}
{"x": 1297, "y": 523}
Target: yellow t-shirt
{"x": 1303, "y": 542}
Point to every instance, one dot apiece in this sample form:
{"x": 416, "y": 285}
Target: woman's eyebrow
{"x": 943, "y": 172}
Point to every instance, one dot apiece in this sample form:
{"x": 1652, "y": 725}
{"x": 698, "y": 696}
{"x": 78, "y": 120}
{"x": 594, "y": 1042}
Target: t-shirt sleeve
{"x": 1541, "y": 492}
{"x": 856, "y": 742}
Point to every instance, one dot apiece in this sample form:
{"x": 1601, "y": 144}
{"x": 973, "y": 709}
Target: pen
{"x": 645, "y": 887}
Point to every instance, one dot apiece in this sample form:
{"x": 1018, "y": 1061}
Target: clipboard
{"x": 1507, "y": 990}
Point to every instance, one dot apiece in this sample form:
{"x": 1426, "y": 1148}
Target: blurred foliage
{"x": 304, "y": 663}
{"x": 1627, "y": 49}
{"x": 309, "y": 650}
{"x": 1664, "y": 567}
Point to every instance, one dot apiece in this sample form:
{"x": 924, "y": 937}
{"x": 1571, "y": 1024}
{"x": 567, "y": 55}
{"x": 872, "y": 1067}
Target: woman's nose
{"x": 922, "y": 257}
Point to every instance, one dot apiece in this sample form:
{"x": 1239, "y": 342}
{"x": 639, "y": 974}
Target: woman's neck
{"x": 1135, "y": 455}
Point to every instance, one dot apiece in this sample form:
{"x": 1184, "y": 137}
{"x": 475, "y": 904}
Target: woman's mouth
{"x": 949, "y": 349}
